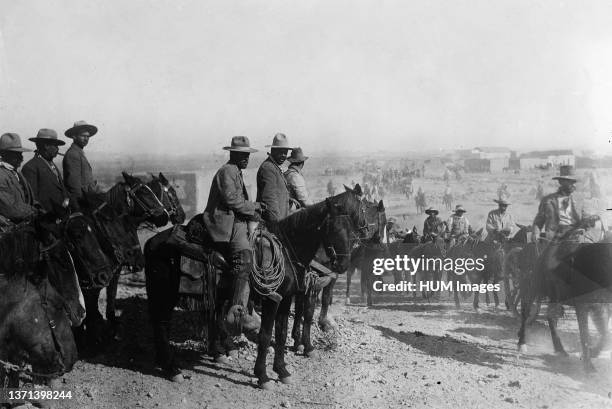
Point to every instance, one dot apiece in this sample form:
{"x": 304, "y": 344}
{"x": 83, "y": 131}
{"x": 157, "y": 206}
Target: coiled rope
{"x": 266, "y": 279}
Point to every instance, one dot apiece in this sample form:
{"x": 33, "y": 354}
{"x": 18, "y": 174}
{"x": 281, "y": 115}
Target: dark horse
{"x": 580, "y": 276}
{"x": 41, "y": 299}
{"x": 330, "y": 223}
{"x": 372, "y": 225}
{"x": 116, "y": 215}
{"x": 163, "y": 190}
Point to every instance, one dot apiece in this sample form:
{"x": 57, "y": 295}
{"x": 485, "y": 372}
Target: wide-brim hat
{"x": 240, "y": 144}
{"x": 566, "y": 172}
{"x": 80, "y": 126}
{"x": 280, "y": 141}
{"x": 502, "y": 202}
{"x": 47, "y": 136}
{"x": 297, "y": 156}
{"x": 459, "y": 208}
{"x": 431, "y": 210}
{"x": 11, "y": 142}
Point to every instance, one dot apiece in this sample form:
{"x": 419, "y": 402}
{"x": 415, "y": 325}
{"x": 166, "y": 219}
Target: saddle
{"x": 198, "y": 255}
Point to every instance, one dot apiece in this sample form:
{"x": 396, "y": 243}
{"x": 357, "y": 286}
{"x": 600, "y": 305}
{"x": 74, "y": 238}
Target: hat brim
{"x": 460, "y": 211}
{"x": 75, "y": 130}
{"x": 432, "y": 211}
{"x": 279, "y": 147}
{"x": 565, "y": 178}
{"x": 502, "y": 202}
{"x": 57, "y": 142}
{"x": 16, "y": 150}
{"x": 239, "y": 149}
{"x": 292, "y": 160}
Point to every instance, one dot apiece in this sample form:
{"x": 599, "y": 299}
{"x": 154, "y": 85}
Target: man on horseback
{"x": 272, "y": 187}
{"x": 16, "y": 198}
{"x": 42, "y": 174}
{"x": 432, "y": 226}
{"x": 78, "y": 175}
{"x": 499, "y": 223}
{"x": 295, "y": 180}
{"x": 458, "y": 226}
{"x": 227, "y": 213}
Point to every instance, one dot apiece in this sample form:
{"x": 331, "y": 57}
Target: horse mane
{"x": 20, "y": 243}
{"x": 300, "y": 219}
{"x": 116, "y": 194}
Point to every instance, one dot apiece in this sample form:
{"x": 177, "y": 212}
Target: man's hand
{"x": 260, "y": 206}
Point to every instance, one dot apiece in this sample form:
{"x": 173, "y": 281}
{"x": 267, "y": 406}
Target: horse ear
{"x": 163, "y": 178}
{"x": 357, "y": 190}
{"x": 381, "y": 206}
{"x": 126, "y": 177}
{"x": 347, "y": 189}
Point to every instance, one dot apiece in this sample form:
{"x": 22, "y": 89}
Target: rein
{"x": 164, "y": 191}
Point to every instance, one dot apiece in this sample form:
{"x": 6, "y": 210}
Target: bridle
{"x": 133, "y": 199}
{"x": 164, "y": 192}
{"x": 355, "y": 239}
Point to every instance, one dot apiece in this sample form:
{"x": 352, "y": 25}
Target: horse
{"x": 165, "y": 193}
{"x": 431, "y": 254}
{"x": 420, "y": 202}
{"x": 374, "y": 222}
{"x": 41, "y": 301}
{"x": 117, "y": 214}
{"x": 447, "y": 201}
{"x": 580, "y": 278}
{"x": 303, "y": 232}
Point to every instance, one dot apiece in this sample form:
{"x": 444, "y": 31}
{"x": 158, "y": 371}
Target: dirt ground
{"x": 400, "y": 353}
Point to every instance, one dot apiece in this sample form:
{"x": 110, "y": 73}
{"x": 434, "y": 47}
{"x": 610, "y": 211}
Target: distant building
{"x": 493, "y": 165}
{"x": 552, "y": 158}
{"x": 491, "y": 152}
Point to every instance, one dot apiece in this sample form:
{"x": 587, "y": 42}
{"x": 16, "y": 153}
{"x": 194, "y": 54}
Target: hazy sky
{"x": 180, "y": 76}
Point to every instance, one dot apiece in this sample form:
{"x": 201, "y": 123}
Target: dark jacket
{"x": 272, "y": 190}
{"x": 78, "y": 176}
{"x": 548, "y": 214}
{"x": 16, "y": 199}
{"x": 47, "y": 186}
{"x": 228, "y": 200}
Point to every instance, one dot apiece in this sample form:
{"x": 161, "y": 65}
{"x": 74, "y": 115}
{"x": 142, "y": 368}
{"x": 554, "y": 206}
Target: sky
{"x": 185, "y": 76}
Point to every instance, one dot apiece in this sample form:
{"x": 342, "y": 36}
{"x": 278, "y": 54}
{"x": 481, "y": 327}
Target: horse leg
{"x": 93, "y": 320}
{"x": 456, "y": 283}
{"x": 600, "y": 319}
{"x": 326, "y": 322}
{"x": 111, "y": 296}
{"x": 349, "y": 276}
{"x": 582, "y": 314}
{"x": 268, "y": 315}
{"x": 298, "y": 321}
{"x": 527, "y": 300}
{"x": 556, "y": 340}
{"x": 309, "y": 309}
{"x": 162, "y": 295}
{"x": 280, "y": 336}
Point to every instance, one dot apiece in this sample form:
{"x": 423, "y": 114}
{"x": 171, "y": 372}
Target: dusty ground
{"x": 397, "y": 354}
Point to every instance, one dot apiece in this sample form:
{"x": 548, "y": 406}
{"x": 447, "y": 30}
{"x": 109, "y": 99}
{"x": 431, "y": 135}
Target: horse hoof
{"x": 312, "y": 354}
{"x": 477, "y": 310}
{"x": 178, "y": 378}
{"x": 266, "y": 386}
{"x": 300, "y": 349}
{"x": 522, "y": 348}
{"x": 287, "y": 380}
{"x": 222, "y": 359}
{"x": 561, "y": 354}
{"x": 347, "y": 301}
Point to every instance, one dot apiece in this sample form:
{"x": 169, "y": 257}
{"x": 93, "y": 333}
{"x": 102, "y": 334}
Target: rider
{"x": 433, "y": 225}
{"x": 42, "y": 174}
{"x": 227, "y": 213}
{"x": 295, "y": 180}
{"x": 272, "y": 187}
{"x": 16, "y": 198}
{"x": 458, "y": 226}
{"x": 499, "y": 223}
{"x": 78, "y": 175}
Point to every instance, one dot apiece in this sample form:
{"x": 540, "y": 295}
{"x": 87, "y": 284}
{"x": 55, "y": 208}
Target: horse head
{"x": 143, "y": 203}
{"x": 166, "y": 193}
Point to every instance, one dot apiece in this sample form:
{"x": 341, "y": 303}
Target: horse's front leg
{"x": 309, "y": 308}
{"x": 326, "y": 322}
{"x": 600, "y": 319}
{"x": 268, "y": 315}
{"x": 582, "y": 314}
{"x": 298, "y": 320}
{"x": 111, "y": 297}
{"x": 349, "y": 276}
{"x": 280, "y": 337}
